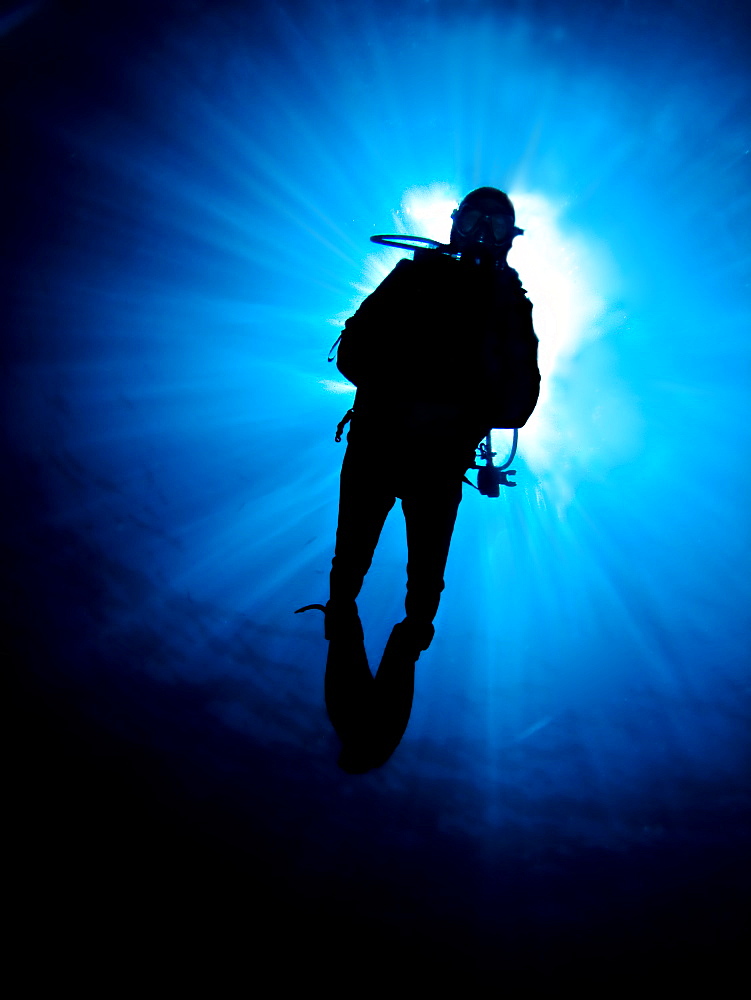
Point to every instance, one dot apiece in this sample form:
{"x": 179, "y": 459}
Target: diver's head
{"x": 484, "y": 221}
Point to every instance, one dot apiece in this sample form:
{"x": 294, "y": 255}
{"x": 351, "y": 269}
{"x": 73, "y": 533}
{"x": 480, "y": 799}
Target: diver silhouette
{"x": 441, "y": 352}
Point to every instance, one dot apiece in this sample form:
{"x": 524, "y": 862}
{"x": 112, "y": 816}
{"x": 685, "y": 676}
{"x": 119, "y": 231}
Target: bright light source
{"x": 561, "y": 275}
{"x": 426, "y": 211}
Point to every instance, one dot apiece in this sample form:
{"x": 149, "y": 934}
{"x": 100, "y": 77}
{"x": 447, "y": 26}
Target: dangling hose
{"x": 342, "y": 424}
{"x": 510, "y": 459}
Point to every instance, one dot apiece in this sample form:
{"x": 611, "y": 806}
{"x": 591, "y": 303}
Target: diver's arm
{"x": 368, "y": 338}
{"x": 511, "y": 356}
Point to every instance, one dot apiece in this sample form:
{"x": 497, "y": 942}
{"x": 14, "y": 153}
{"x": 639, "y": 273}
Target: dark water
{"x": 192, "y": 186}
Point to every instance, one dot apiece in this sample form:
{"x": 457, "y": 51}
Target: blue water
{"x": 194, "y": 186}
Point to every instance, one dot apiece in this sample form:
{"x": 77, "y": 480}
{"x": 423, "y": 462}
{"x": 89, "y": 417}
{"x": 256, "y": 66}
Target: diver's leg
{"x": 363, "y": 507}
{"x": 430, "y": 523}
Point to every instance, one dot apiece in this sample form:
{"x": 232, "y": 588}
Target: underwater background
{"x": 190, "y": 189}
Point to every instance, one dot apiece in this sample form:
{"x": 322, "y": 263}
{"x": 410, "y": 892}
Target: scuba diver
{"x": 441, "y": 352}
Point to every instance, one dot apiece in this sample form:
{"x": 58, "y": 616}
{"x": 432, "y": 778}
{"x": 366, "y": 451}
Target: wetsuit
{"x": 441, "y": 352}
